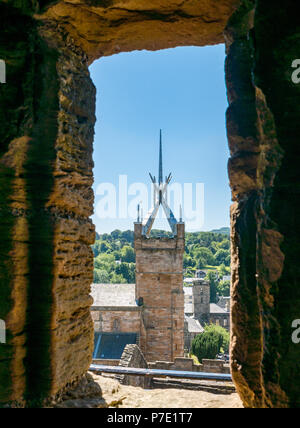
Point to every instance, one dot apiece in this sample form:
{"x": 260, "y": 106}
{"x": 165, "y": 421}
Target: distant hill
{"x": 114, "y": 255}
{"x": 223, "y": 230}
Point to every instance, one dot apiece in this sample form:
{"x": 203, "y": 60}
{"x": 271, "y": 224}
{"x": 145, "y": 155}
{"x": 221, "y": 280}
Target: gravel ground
{"x": 121, "y": 396}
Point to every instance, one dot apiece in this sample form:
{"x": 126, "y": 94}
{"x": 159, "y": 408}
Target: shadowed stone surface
{"x": 46, "y": 174}
{"x": 113, "y": 26}
{"x": 263, "y": 132}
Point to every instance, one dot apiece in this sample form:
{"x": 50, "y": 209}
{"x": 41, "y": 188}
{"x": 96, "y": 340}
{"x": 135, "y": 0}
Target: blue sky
{"x": 181, "y": 91}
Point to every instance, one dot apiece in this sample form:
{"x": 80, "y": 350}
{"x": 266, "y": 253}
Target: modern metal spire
{"x": 160, "y": 192}
{"x": 160, "y": 171}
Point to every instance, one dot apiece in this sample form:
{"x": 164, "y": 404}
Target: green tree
{"x": 223, "y": 270}
{"x": 132, "y": 273}
{"x": 225, "y": 335}
{"x": 211, "y": 277}
{"x": 201, "y": 263}
{"x": 103, "y": 246}
{"x": 101, "y": 276}
{"x": 188, "y": 261}
{"x": 128, "y": 236}
{"x": 201, "y": 249}
{"x": 206, "y": 345}
{"x": 117, "y": 279}
{"x": 127, "y": 270}
{"x": 228, "y": 260}
{"x": 225, "y": 244}
{"x": 205, "y": 254}
{"x": 116, "y": 254}
{"x": 105, "y": 262}
{"x": 209, "y": 343}
{"x": 127, "y": 254}
{"x": 100, "y": 247}
{"x": 116, "y": 234}
{"x": 223, "y": 288}
{"x": 222, "y": 257}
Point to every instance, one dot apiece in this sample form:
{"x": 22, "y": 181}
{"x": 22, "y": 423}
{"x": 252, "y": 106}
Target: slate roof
{"x": 188, "y": 308}
{"x": 216, "y": 309}
{"x": 223, "y": 301}
{"x": 105, "y": 295}
{"x": 194, "y": 326}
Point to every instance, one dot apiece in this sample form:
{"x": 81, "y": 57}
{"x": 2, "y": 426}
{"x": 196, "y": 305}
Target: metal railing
{"x": 131, "y": 371}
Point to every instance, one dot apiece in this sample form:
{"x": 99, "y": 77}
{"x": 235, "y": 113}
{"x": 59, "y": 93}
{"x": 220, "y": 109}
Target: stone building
{"x": 206, "y": 312}
{"x": 224, "y": 302}
{"x": 159, "y": 283}
{"x": 192, "y": 327}
{"x": 201, "y": 300}
{"x": 159, "y": 277}
{"x": 197, "y": 306}
{"x": 219, "y": 316}
{"x": 117, "y": 319}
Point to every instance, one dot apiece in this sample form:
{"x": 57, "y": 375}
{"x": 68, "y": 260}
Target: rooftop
{"x": 113, "y": 295}
{"x": 194, "y": 325}
{"x": 216, "y": 309}
{"x": 188, "y": 308}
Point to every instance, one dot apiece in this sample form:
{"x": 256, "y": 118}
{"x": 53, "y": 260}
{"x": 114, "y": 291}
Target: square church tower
{"x": 159, "y": 279}
{"x": 159, "y": 287}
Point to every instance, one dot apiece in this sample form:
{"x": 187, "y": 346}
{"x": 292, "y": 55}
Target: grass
{"x": 195, "y": 359}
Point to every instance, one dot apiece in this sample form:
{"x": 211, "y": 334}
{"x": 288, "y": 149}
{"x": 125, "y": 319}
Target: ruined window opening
{"x": 116, "y": 325}
{"x": 140, "y": 162}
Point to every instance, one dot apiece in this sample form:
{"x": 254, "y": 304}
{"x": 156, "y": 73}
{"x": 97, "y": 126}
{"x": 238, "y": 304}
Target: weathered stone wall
{"x": 71, "y": 201}
{"x": 220, "y": 319}
{"x": 262, "y": 40}
{"x": 187, "y": 364}
{"x": 127, "y": 321}
{"x": 47, "y": 121}
{"x": 133, "y": 357}
{"x": 159, "y": 282}
{"x": 201, "y": 300}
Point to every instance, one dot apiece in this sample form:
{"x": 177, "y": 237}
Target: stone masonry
{"x": 159, "y": 282}
{"x": 114, "y": 308}
{"x": 201, "y": 300}
{"x": 133, "y": 357}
